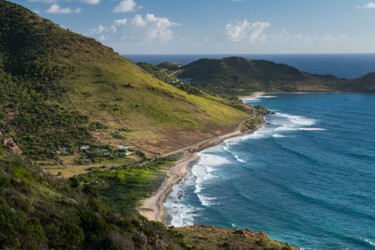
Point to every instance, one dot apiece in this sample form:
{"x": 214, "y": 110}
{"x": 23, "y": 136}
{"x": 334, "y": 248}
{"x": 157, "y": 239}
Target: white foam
{"x": 257, "y": 98}
{"x": 312, "y": 129}
{"x": 201, "y": 174}
{"x": 255, "y": 135}
{"x": 181, "y": 214}
{"x": 286, "y": 128}
{"x": 203, "y": 171}
{"x": 238, "y": 159}
{"x": 227, "y": 149}
{"x": 207, "y": 159}
{"x": 267, "y": 96}
{"x": 278, "y": 136}
{"x": 371, "y": 243}
{"x": 297, "y": 120}
{"x": 205, "y": 200}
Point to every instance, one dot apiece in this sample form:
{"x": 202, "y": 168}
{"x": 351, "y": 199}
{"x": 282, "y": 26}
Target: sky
{"x": 218, "y": 26}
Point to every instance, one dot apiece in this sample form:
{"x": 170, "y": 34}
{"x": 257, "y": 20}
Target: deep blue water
{"x": 341, "y": 65}
{"x": 307, "y": 178}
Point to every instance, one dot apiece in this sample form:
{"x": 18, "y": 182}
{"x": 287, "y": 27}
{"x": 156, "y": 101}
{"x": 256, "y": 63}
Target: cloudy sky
{"x": 218, "y": 26}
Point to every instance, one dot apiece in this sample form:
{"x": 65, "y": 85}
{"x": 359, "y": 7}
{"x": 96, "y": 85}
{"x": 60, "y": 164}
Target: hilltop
{"x": 240, "y": 76}
{"x": 63, "y": 92}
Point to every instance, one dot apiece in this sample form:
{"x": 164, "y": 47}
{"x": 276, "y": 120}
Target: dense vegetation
{"x": 162, "y": 72}
{"x": 169, "y": 65}
{"x": 122, "y": 188}
{"x": 65, "y": 95}
{"x": 56, "y": 86}
{"x": 240, "y": 76}
{"x": 365, "y": 83}
{"x": 39, "y": 212}
{"x": 30, "y": 86}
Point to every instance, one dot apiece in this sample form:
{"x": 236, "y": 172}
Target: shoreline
{"x": 153, "y": 207}
{"x": 255, "y": 94}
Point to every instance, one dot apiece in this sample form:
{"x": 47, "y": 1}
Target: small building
{"x": 63, "y": 151}
{"x": 84, "y": 147}
{"x": 187, "y": 80}
{"x": 122, "y": 147}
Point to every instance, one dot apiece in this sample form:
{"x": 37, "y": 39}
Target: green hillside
{"x": 67, "y": 98}
{"x": 240, "y": 76}
{"x": 365, "y": 83}
{"x": 169, "y": 65}
{"x": 38, "y": 211}
{"x": 170, "y": 76}
{"x": 61, "y": 90}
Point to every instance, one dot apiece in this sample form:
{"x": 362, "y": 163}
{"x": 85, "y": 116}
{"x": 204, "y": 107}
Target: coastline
{"x": 255, "y": 94}
{"x": 153, "y": 207}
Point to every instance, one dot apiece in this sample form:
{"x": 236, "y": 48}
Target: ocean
{"x": 340, "y": 65}
{"x": 307, "y": 178}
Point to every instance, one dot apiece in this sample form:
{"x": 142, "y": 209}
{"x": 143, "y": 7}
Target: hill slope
{"x": 61, "y": 90}
{"x": 38, "y": 211}
{"x": 240, "y": 76}
{"x": 365, "y": 83}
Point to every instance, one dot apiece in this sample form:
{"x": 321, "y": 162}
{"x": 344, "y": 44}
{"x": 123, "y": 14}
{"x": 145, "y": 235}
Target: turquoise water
{"x": 307, "y": 178}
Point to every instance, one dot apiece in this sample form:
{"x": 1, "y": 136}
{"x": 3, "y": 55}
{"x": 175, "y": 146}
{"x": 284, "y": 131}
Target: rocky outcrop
{"x": 10, "y": 144}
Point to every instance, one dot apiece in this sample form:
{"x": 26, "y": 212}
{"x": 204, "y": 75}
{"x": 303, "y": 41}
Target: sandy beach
{"x": 252, "y": 96}
{"x": 153, "y": 208}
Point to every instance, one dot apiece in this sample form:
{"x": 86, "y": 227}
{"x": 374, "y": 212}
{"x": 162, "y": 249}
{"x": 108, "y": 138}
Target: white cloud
{"x": 44, "y": 1}
{"x": 119, "y": 22}
{"x": 370, "y": 5}
{"x": 93, "y": 2}
{"x": 126, "y": 6}
{"x": 246, "y": 31}
{"x": 57, "y": 9}
{"x": 103, "y": 38}
{"x": 154, "y": 28}
{"x": 140, "y": 28}
{"x": 98, "y": 30}
{"x": 138, "y": 21}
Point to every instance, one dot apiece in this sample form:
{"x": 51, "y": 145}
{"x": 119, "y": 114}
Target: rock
{"x": 264, "y": 235}
{"x": 12, "y": 146}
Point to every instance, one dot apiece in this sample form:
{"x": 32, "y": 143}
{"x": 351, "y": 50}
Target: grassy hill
{"x": 65, "y": 97}
{"x": 61, "y": 90}
{"x": 169, "y": 65}
{"x": 38, "y": 211}
{"x": 240, "y": 76}
{"x": 170, "y": 76}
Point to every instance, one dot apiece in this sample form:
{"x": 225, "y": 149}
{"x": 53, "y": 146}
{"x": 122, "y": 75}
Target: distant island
{"x": 237, "y": 76}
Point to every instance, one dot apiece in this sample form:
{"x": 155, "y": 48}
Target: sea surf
{"x": 306, "y": 178}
